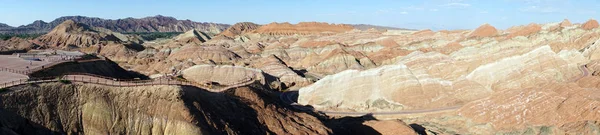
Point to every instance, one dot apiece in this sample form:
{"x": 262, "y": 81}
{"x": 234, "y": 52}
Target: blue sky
{"x": 422, "y": 14}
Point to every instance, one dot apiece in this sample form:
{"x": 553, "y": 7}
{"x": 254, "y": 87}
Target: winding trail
{"x": 290, "y": 97}
{"x": 18, "y": 65}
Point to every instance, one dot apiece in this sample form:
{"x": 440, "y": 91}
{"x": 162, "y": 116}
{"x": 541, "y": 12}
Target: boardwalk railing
{"x": 102, "y": 80}
{"x": 107, "y": 81}
{"x": 32, "y": 70}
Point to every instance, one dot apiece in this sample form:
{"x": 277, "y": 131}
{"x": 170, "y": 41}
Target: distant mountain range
{"x": 2, "y": 25}
{"x": 148, "y": 24}
{"x": 380, "y": 28}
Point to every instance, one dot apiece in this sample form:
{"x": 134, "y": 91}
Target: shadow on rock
{"x": 13, "y": 124}
{"x": 222, "y": 113}
{"x": 352, "y": 125}
{"x": 418, "y": 128}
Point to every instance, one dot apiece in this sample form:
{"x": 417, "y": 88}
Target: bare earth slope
{"x": 92, "y": 109}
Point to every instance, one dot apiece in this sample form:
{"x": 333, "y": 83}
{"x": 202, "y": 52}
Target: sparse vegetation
{"x": 63, "y": 81}
{"x": 25, "y": 36}
{"x": 155, "y": 35}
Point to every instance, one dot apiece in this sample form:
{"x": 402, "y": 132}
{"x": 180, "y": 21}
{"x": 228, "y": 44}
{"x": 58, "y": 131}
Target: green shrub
{"x": 154, "y": 35}
{"x": 24, "y": 36}
{"x": 3, "y": 89}
{"x": 65, "y": 81}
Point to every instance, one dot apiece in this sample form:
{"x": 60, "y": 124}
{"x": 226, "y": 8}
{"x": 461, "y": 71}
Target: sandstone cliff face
{"x": 302, "y": 28}
{"x": 275, "y": 67}
{"x": 91, "y": 109}
{"x": 382, "y": 89}
{"x": 213, "y": 53}
{"x": 223, "y": 75}
{"x": 416, "y": 81}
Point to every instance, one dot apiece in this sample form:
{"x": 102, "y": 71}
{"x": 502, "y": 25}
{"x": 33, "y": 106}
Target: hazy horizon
{"x": 429, "y": 14}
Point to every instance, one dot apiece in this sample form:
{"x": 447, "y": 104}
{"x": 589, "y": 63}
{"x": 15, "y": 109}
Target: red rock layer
{"x": 591, "y": 24}
{"x": 565, "y": 23}
{"x": 527, "y": 30}
{"x": 485, "y": 30}
{"x": 303, "y": 28}
{"x": 239, "y": 28}
{"x": 426, "y": 32}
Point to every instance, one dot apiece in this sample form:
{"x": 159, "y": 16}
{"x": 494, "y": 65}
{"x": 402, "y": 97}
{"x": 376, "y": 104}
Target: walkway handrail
{"x": 101, "y": 80}
{"x": 32, "y": 70}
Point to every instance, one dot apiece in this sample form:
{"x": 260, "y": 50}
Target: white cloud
{"x": 414, "y": 8}
{"x": 404, "y": 12}
{"x": 484, "y": 12}
{"x": 456, "y": 5}
{"x": 433, "y": 10}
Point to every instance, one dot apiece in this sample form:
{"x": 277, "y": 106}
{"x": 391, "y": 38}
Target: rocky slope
{"x": 523, "y": 80}
{"x": 223, "y": 75}
{"x": 488, "y": 62}
{"x": 239, "y": 28}
{"x": 91, "y": 109}
{"x": 148, "y": 24}
{"x": 192, "y": 36}
{"x": 5, "y": 26}
{"x": 15, "y": 44}
{"x": 70, "y": 33}
{"x": 527, "y": 79}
